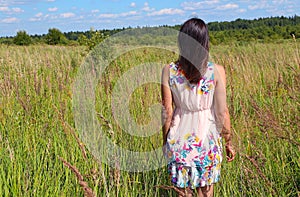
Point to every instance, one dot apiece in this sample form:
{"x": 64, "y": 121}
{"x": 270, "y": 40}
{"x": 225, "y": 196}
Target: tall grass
{"x": 41, "y": 154}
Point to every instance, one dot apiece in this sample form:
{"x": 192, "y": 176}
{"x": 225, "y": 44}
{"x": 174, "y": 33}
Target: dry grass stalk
{"x": 49, "y": 85}
{"x": 117, "y": 175}
{"x": 6, "y": 86}
{"x": 104, "y": 180}
{"x": 48, "y": 63}
{"x": 48, "y": 146}
{"x": 114, "y": 175}
{"x": 11, "y": 152}
{"x": 279, "y": 80}
{"x": 255, "y": 164}
{"x": 290, "y": 140}
{"x": 88, "y": 192}
{"x": 68, "y": 129}
{"x": 269, "y": 122}
{"x": 37, "y": 85}
{"x": 107, "y": 122}
{"x": 232, "y": 90}
{"x": 25, "y": 104}
{"x": 290, "y": 88}
{"x": 297, "y": 50}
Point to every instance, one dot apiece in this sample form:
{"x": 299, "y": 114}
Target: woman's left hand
{"x": 230, "y": 152}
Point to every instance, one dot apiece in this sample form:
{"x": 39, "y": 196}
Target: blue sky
{"x": 37, "y": 16}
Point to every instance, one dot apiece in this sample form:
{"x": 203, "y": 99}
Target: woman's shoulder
{"x": 166, "y": 70}
{"x": 215, "y": 66}
{"x": 171, "y": 68}
{"x": 172, "y": 65}
{"x": 219, "y": 67}
{"x": 219, "y": 71}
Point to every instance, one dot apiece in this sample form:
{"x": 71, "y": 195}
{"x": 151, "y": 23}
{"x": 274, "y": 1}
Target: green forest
{"x": 270, "y": 29}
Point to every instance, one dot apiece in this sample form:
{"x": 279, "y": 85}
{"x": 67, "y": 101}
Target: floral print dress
{"x": 193, "y": 148}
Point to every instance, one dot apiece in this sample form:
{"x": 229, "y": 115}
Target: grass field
{"x": 41, "y": 154}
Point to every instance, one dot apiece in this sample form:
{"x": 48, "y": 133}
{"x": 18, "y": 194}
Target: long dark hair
{"x": 193, "y": 42}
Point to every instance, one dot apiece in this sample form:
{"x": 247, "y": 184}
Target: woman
{"x": 195, "y": 114}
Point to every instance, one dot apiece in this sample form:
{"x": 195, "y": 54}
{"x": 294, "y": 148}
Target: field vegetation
{"x": 43, "y": 155}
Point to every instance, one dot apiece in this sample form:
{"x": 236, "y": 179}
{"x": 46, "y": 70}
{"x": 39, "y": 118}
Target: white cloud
{"x": 17, "y": 2}
{"x": 259, "y": 5}
{"x": 133, "y": 5}
{"x": 4, "y": 9}
{"x": 39, "y": 14}
{"x": 67, "y": 15}
{"x": 147, "y": 8}
{"x": 10, "y": 20}
{"x": 50, "y": 0}
{"x": 242, "y": 10}
{"x": 199, "y": 5}
{"x": 166, "y": 11}
{"x": 290, "y": 10}
{"x": 131, "y": 13}
{"x": 124, "y": 14}
{"x": 228, "y": 6}
{"x": 11, "y": 11}
{"x": 274, "y": 7}
{"x": 52, "y": 9}
{"x": 255, "y": 7}
{"x": 108, "y": 15}
{"x": 95, "y": 11}
{"x": 34, "y": 19}
{"x": 17, "y": 10}
{"x": 37, "y": 17}
{"x": 276, "y": 2}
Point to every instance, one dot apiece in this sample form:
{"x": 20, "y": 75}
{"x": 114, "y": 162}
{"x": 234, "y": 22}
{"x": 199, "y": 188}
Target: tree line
{"x": 268, "y": 29}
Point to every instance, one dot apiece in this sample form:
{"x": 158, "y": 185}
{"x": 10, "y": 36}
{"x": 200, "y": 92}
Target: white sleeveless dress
{"x": 193, "y": 149}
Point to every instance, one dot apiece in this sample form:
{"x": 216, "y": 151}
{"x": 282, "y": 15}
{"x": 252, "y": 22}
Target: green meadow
{"x": 43, "y": 155}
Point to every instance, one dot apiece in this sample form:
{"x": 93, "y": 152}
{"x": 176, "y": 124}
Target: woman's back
{"x": 193, "y": 140}
{"x": 192, "y": 97}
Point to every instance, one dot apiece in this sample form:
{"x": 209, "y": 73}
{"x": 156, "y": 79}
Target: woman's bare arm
{"x": 222, "y": 112}
{"x": 167, "y": 109}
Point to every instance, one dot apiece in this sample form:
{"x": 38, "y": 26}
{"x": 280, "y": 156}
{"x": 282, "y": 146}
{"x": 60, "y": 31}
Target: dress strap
{"x": 209, "y": 75}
